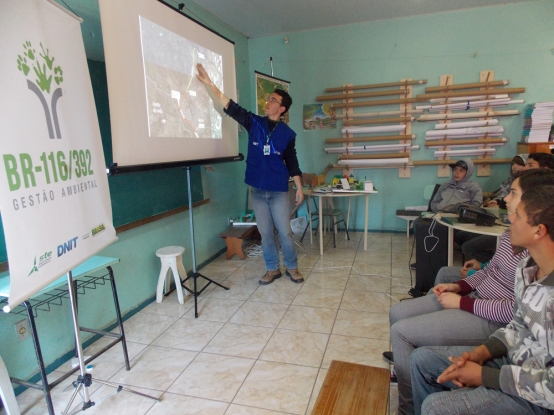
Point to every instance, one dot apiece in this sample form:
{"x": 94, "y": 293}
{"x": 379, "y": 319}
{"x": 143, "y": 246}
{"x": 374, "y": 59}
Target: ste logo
{"x": 43, "y": 73}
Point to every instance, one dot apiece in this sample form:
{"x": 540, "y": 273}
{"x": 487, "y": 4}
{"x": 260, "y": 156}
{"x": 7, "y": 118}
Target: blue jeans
{"x": 272, "y": 210}
{"x": 432, "y": 398}
{"x": 423, "y": 321}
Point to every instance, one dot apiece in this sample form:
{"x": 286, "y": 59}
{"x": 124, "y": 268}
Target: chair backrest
{"x": 430, "y": 189}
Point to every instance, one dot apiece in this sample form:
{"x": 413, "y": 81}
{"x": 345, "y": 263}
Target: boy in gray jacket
{"x": 459, "y": 189}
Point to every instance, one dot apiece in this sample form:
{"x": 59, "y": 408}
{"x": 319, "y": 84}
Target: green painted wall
{"x": 137, "y": 274}
{"x": 515, "y": 41}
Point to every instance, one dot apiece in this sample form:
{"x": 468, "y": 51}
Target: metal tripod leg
{"x": 123, "y": 388}
{"x": 82, "y": 382}
{"x": 195, "y": 291}
{"x": 194, "y": 274}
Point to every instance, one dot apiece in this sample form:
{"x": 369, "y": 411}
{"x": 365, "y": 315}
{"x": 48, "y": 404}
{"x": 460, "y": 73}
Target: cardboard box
{"x": 526, "y": 148}
{"x": 309, "y": 179}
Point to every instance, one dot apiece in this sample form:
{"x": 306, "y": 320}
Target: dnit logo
{"x": 67, "y": 246}
{"x": 44, "y": 70}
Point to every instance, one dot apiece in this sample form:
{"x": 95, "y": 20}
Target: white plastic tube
{"x": 465, "y": 124}
{"x": 369, "y": 149}
{"x": 494, "y": 131}
{"x": 376, "y": 129}
{"x": 471, "y": 152}
{"x": 374, "y": 162}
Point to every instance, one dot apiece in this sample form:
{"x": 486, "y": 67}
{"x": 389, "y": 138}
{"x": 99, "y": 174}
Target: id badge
{"x": 267, "y": 150}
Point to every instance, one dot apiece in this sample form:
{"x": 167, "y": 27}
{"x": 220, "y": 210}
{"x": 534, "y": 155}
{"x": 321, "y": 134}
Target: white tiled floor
{"x": 254, "y": 350}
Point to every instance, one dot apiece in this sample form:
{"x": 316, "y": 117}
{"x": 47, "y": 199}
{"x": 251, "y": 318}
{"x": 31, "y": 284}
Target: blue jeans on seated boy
{"x": 432, "y": 398}
{"x": 423, "y": 321}
{"x": 272, "y": 210}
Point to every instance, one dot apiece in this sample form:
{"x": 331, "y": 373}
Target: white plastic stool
{"x": 6, "y": 391}
{"x": 172, "y": 259}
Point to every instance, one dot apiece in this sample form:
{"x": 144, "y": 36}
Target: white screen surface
{"x": 160, "y": 112}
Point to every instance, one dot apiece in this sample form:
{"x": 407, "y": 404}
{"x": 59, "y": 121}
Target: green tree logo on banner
{"x": 44, "y": 70}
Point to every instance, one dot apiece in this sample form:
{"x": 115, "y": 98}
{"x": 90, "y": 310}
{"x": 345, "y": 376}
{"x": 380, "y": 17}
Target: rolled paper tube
{"x": 462, "y": 142}
{"x": 475, "y": 104}
{"x": 375, "y": 162}
{"x": 371, "y": 138}
{"x": 488, "y": 92}
{"x": 469, "y": 104}
{"x": 468, "y": 98}
{"x": 464, "y": 115}
{"x": 377, "y": 102}
{"x": 464, "y": 124}
{"x": 355, "y": 149}
{"x": 467, "y": 152}
{"x": 378, "y": 121}
{"x": 372, "y": 156}
{"x": 495, "y": 129}
{"x": 376, "y": 114}
{"x": 464, "y": 136}
{"x": 376, "y": 129}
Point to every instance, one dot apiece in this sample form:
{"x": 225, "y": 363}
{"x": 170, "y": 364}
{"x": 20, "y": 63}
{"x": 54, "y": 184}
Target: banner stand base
{"x": 84, "y": 380}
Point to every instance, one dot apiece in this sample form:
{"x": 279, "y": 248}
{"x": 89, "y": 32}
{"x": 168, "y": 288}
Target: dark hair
{"x": 538, "y": 204}
{"x": 286, "y": 100}
{"x": 518, "y": 160}
{"x": 545, "y": 160}
{"x": 533, "y": 178}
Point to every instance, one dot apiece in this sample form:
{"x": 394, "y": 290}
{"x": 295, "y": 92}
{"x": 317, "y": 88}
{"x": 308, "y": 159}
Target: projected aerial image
{"x": 178, "y": 105}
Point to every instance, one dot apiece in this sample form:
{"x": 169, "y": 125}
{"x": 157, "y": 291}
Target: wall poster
{"x": 265, "y": 85}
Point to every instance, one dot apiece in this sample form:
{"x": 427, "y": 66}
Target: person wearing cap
{"x": 462, "y": 311}
{"x": 459, "y": 189}
{"x": 511, "y": 372}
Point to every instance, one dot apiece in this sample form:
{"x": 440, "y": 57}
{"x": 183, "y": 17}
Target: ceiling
{"x": 256, "y": 18}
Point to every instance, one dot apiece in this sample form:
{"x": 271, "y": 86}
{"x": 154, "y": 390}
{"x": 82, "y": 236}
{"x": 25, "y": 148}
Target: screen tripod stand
{"x": 195, "y": 275}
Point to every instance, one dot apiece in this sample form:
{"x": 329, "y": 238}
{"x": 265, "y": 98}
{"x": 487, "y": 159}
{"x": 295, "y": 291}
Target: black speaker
{"x": 431, "y": 253}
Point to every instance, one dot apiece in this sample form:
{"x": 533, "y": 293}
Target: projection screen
{"x": 160, "y": 112}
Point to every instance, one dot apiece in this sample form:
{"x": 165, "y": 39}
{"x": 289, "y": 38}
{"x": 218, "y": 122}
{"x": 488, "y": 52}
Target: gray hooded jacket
{"x": 453, "y": 192}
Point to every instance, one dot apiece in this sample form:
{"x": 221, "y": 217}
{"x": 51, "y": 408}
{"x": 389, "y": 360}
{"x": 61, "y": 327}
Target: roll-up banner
{"x": 54, "y": 195}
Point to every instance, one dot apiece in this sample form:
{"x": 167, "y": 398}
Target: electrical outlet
{"x": 22, "y": 329}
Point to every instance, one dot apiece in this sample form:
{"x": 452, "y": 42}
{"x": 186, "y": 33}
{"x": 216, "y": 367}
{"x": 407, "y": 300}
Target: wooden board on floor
{"x": 353, "y": 389}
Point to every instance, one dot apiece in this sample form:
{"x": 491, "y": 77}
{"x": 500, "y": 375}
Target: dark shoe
{"x": 270, "y": 276}
{"x": 295, "y": 275}
{"x": 388, "y": 357}
{"x": 393, "y": 378}
{"x": 413, "y": 266}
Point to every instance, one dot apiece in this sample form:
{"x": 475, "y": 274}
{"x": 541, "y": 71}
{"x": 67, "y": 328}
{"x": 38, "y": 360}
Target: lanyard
{"x": 268, "y": 143}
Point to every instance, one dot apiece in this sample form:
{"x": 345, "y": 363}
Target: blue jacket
{"x": 267, "y": 172}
